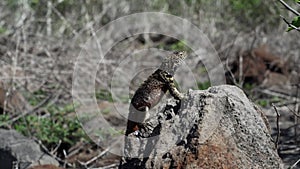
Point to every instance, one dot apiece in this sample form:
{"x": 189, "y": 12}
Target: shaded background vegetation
{"x": 41, "y": 39}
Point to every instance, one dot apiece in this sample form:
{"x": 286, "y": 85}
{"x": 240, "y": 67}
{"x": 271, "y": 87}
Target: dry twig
{"x": 109, "y": 166}
{"x": 95, "y": 158}
{"x": 289, "y": 24}
{"x": 289, "y": 7}
{"x": 294, "y": 165}
{"x": 35, "y": 109}
{"x": 52, "y": 155}
{"x": 295, "y": 114}
{"x": 277, "y": 125}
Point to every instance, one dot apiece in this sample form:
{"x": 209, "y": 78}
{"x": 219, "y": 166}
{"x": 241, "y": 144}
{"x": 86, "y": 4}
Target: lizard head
{"x": 173, "y": 61}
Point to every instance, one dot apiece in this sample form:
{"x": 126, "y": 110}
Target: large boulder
{"x": 214, "y": 128}
{"x": 17, "y": 151}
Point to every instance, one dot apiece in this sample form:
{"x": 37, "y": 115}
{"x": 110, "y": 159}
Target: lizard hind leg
{"x": 136, "y": 119}
{"x": 146, "y": 127}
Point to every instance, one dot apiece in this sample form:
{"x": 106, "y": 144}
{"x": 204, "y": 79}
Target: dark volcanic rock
{"x": 17, "y": 150}
{"x": 214, "y": 128}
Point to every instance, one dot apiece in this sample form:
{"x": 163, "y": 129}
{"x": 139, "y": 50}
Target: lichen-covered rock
{"x": 17, "y": 151}
{"x": 214, "y": 128}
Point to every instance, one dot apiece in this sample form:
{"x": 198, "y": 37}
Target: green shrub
{"x": 250, "y": 14}
{"x": 263, "y": 103}
{"x": 104, "y": 95}
{"x": 179, "y": 46}
{"x": 248, "y": 86}
{"x": 50, "y": 129}
{"x": 2, "y": 30}
{"x": 204, "y": 85}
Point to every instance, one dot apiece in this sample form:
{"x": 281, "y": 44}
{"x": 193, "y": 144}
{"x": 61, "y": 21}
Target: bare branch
{"x": 50, "y": 154}
{"x": 109, "y": 166}
{"x": 277, "y": 126}
{"x": 294, "y": 165}
{"x": 96, "y": 157}
{"x": 289, "y": 24}
{"x": 41, "y": 104}
{"x": 49, "y": 19}
{"x": 289, "y": 8}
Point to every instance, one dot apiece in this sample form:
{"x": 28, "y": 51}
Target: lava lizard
{"x": 153, "y": 89}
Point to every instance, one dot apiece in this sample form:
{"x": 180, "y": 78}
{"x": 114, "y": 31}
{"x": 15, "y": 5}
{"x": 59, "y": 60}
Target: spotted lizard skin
{"x": 153, "y": 89}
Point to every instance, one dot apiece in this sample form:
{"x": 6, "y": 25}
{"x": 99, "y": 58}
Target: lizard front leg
{"x": 169, "y": 80}
{"x": 174, "y": 91}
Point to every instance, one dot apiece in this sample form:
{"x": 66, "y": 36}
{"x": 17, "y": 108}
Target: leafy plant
{"x": 295, "y": 23}
{"x": 3, "y": 119}
{"x": 36, "y": 97}
{"x": 50, "y": 129}
{"x": 248, "y": 86}
{"x": 204, "y": 85}
{"x": 253, "y": 13}
{"x": 263, "y": 103}
{"x": 104, "y": 95}
{"x": 179, "y": 46}
{"x": 2, "y": 30}
{"x": 275, "y": 99}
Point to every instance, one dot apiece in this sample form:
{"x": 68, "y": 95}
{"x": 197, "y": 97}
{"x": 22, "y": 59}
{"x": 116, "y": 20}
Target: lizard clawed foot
{"x": 183, "y": 97}
{"x": 144, "y": 130}
{"x": 137, "y": 133}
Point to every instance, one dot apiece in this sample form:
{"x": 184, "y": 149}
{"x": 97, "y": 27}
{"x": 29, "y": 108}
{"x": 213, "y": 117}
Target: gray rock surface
{"x": 17, "y": 150}
{"x": 214, "y": 128}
